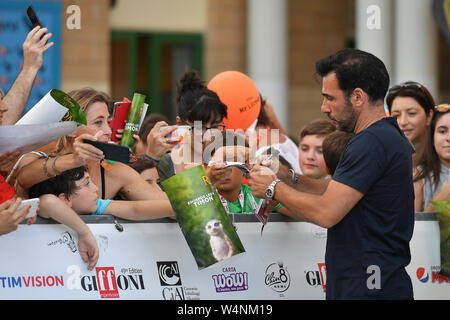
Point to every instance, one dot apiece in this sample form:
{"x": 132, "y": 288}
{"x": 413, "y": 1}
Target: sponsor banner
{"x": 152, "y": 261}
{"x": 425, "y": 263}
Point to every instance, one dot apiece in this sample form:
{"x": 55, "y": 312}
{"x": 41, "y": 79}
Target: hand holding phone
{"x": 182, "y": 134}
{"x": 111, "y": 151}
{"x": 34, "y": 202}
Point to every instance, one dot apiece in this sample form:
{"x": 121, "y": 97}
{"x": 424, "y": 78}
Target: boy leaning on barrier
{"x": 77, "y": 190}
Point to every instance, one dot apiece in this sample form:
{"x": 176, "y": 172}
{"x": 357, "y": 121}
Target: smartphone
{"x": 120, "y": 116}
{"x": 34, "y": 202}
{"x": 240, "y": 165}
{"x": 111, "y": 151}
{"x": 185, "y": 132}
{"x": 33, "y": 17}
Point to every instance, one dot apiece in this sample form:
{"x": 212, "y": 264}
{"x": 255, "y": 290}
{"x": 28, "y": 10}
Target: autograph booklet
{"x": 204, "y": 223}
{"x": 55, "y": 106}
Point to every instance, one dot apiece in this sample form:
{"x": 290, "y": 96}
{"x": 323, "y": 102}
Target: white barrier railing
{"x": 151, "y": 260}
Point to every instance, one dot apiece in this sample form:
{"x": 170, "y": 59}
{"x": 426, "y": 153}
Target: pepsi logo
{"x": 422, "y": 275}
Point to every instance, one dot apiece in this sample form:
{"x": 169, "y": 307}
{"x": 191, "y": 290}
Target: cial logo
{"x": 277, "y": 277}
{"x": 424, "y": 276}
{"x": 230, "y": 280}
{"x": 317, "y": 277}
{"x": 170, "y": 280}
{"x": 169, "y": 273}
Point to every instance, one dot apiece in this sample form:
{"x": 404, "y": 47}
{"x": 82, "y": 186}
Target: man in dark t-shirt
{"x": 368, "y": 205}
{"x": 373, "y": 238}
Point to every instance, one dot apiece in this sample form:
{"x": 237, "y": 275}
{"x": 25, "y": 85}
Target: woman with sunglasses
{"x": 201, "y": 110}
{"x": 435, "y": 183}
{"x": 412, "y": 104}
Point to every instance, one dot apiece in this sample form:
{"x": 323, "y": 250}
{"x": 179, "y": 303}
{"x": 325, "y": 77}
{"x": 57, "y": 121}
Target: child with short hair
{"x": 235, "y": 196}
{"x": 76, "y": 189}
{"x": 310, "y": 147}
{"x": 332, "y": 147}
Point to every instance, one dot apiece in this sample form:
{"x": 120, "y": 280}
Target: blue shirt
{"x": 371, "y": 243}
{"x": 101, "y": 206}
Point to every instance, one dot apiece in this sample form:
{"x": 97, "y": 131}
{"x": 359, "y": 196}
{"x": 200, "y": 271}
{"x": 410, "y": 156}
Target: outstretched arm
{"x": 17, "y": 96}
{"x": 51, "y": 206}
{"x": 140, "y": 210}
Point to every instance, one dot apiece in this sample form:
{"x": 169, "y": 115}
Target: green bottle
{"x": 132, "y": 124}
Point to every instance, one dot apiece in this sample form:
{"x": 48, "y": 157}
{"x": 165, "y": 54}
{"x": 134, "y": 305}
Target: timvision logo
{"x": 170, "y": 280}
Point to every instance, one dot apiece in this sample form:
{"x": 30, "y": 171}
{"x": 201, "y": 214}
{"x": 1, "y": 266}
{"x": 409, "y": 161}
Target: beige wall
{"x": 316, "y": 29}
{"x": 85, "y": 52}
{"x": 159, "y": 15}
{"x": 226, "y": 37}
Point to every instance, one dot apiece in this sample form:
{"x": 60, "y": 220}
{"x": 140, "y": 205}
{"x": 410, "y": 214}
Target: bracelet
{"x": 148, "y": 157}
{"x": 294, "y": 177}
{"x": 53, "y": 166}
{"x": 44, "y": 166}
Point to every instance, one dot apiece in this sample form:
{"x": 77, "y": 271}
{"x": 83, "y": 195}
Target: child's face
{"x": 84, "y": 198}
{"x": 231, "y": 180}
{"x": 311, "y": 159}
{"x": 151, "y": 176}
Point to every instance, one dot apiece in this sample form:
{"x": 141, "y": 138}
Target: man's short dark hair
{"x": 62, "y": 183}
{"x": 356, "y": 69}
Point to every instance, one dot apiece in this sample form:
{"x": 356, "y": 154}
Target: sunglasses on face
{"x": 411, "y": 85}
{"x": 442, "y": 107}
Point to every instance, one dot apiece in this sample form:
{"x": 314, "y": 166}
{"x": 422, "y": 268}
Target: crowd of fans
{"x": 69, "y": 177}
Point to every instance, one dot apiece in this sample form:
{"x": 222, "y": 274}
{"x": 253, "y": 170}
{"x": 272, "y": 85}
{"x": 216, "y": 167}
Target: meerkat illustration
{"x": 221, "y": 245}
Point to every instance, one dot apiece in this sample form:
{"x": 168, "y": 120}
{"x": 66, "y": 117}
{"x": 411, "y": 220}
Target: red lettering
{"x": 27, "y": 283}
{"x": 106, "y": 278}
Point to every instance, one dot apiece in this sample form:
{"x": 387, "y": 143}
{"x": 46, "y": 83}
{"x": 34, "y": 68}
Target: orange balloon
{"x": 241, "y": 97}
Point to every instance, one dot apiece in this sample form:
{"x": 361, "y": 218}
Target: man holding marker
{"x": 368, "y": 205}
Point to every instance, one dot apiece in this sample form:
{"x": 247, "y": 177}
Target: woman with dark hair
{"x": 435, "y": 185}
{"x": 202, "y": 110}
{"x": 412, "y": 104}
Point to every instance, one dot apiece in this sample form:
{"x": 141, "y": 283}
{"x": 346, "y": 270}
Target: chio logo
{"x": 277, "y": 277}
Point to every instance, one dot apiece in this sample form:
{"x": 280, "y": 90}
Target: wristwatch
{"x": 270, "y": 191}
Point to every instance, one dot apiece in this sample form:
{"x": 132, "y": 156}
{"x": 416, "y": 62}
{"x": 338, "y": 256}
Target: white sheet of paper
{"x": 47, "y": 110}
{"x": 29, "y": 137}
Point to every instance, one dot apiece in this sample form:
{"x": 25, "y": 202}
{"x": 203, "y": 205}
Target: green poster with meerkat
{"x": 204, "y": 223}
